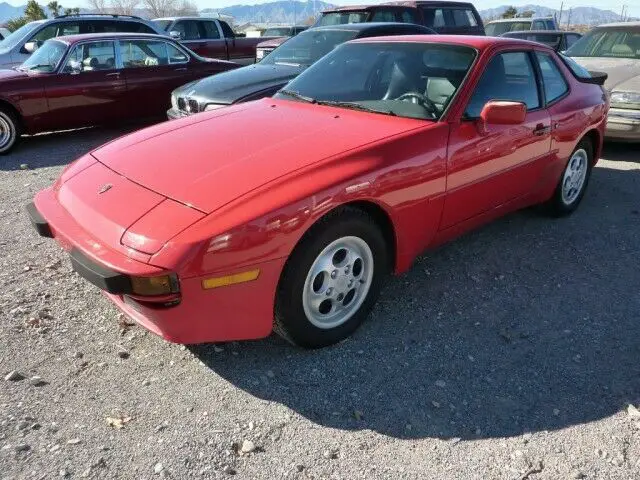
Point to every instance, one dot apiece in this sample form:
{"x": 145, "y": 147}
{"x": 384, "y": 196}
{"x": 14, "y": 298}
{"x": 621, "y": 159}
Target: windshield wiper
{"x": 355, "y": 106}
{"x": 291, "y": 93}
{"x": 40, "y": 65}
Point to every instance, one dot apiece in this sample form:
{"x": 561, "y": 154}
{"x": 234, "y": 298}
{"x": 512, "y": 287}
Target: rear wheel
{"x": 332, "y": 280}
{"x": 573, "y": 181}
{"x": 9, "y": 130}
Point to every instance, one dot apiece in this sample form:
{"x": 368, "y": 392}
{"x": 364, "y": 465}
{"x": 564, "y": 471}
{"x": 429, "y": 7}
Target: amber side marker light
{"x": 150, "y": 286}
{"x": 230, "y": 279}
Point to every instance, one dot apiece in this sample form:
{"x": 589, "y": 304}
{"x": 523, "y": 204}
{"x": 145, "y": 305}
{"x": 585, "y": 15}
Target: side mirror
{"x": 30, "y": 47}
{"x": 176, "y": 35}
{"x": 502, "y": 113}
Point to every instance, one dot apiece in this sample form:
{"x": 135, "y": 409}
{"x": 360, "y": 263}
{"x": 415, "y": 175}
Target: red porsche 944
{"x": 287, "y": 213}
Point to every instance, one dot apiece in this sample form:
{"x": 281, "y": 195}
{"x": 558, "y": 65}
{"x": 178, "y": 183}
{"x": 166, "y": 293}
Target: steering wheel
{"x": 421, "y": 99}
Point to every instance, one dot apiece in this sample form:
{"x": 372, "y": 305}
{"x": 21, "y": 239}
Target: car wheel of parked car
{"x": 9, "y": 130}
{"x": 574, "y": 180}
{"x": 331, "y": 280}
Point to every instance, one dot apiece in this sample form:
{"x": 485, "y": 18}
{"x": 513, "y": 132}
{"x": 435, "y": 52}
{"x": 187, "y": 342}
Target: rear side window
{"x": 463, "y": 18}
{"x": 539, "y": 25}
{"x": 408, "y": 15}
{"x": 188, "y": 29}
{"x": 434, "y": 17}
{"x": 91, "y": 56}
{"x": 555, "y": 85}
{"x": 383, "y": 16}
{"x": 210, "y": 30}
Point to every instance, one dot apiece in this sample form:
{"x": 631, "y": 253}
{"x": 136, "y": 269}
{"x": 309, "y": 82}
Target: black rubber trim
{"x": 38, "y": 221}
{"x": 102, "y": 277}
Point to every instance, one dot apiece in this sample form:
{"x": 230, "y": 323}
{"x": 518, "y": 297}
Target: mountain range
{"x": 291, "y": 11}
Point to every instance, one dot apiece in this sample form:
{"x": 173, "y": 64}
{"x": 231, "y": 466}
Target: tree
{"x": 16, "y": 23}
{"x": 72, "y": 11}
{"x": 99, "y": 6}
{"x": 33, "y": 11}
{"x": 124, "y": 7}
{"x": 167, "y": 8}
{"x": 510, "y": 12}
{"x": 54, "y": 7}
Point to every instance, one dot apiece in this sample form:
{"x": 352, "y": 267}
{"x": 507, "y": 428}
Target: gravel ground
{"x": 512, "y": 353}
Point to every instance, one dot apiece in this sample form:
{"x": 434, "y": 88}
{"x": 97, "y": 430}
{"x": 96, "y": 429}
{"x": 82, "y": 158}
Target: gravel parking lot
{"x": 512, "y": 353}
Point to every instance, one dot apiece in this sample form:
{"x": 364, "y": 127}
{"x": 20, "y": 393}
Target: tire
{"x": 9, "y": 130}
{"x": 332, "y": 248}
{"x": 573, "y": 182}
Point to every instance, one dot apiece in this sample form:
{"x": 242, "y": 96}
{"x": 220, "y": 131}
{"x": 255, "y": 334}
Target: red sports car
{"x": 287, "y": 213}
{"x": 84, "y": 80}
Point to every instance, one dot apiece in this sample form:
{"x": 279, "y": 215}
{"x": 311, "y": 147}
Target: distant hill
{"x": 283, "y": 11}
{"x": 290, "y": 11}
{"x": 579, "y": 15}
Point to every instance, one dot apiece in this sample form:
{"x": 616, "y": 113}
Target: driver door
{"x": 89, "y": 90}
{"x": 487, "y": 169}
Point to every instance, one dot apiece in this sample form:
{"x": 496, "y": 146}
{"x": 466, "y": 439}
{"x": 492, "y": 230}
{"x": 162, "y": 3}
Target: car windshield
{"x": 608, "y": 42}
{"x": 498, "y": 28}
{"x": 307, "y": 47}
{"x": 412, "y": 80}
{"x": 277, "y": 32}
{"x": 341, "y": 18}
{"x": 15, "y": 38}
{"x": 163, "y": 24}
{"x": 46, "y": 58}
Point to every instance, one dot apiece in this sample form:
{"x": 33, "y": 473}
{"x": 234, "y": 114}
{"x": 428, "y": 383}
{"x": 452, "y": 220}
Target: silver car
{"x": 19, "y": 45}
{"x": 615, "y": 50}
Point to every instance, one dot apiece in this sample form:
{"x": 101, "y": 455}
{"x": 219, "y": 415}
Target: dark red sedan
{"x": 84, "y": 80}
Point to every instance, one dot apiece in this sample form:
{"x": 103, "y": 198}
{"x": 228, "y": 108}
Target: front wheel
{"x": 9, "y": 131}
{"x": 573, "y": 181}
{"x": 332, "y": 280}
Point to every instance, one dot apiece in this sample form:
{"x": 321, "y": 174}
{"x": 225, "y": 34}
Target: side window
{"x": 210, "y": 30}
{"x": 143, "y": 53}
{"x": 90, "y": 57}
{"x": 572, "y": 38}
{"x": 508, "y": 76}
{"x": 538, "y": 25}
{"x": 433, "y": 17}
{"x": 188, "y": 29}
{"x": 555, "y": 84}
{"x": 45, "y": 34}
{"x": 226, "y": 30}
{"x": 383, "y": 16}
{"x": 408, "y": 15}
{"x": 463, "y": 18}
{"x": 551, "y": 25}
{"x": 176, "y": 55}
{"x": 68, "y": 28}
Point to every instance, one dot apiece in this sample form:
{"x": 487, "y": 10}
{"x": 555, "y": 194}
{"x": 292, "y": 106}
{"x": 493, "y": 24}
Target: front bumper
{"x": 201, "y": 316}
{"x": 623, "y": 125}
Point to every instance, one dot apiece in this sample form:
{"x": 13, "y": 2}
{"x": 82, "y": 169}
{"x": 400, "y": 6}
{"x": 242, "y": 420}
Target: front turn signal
{"x": 150, "y": 286}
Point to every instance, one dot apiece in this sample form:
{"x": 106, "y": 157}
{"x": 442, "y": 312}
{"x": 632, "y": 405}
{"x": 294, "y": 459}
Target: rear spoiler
{"x": 596, "y": 78}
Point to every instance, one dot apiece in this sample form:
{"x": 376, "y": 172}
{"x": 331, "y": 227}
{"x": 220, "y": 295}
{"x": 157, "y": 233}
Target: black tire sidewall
{"x": 13, "y": 125}
{"x": 289, "y": 309}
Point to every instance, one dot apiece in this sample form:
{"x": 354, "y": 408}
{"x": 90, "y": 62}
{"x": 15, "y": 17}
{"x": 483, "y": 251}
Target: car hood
{"x": 618, "y": 70}
{"x": 276, "y": 42}
{"x": 228, "y": 87}
{"x": 213, "y": 158}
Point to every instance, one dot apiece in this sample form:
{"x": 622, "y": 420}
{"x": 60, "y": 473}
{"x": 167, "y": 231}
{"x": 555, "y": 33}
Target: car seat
{"x": 405, "y": 77}
{"x": 90, "y": 64}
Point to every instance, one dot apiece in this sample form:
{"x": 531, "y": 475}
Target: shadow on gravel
{"x": 60, "y": 148}
{"x": 621, "y": 152}
{"x": 529, "y": 324}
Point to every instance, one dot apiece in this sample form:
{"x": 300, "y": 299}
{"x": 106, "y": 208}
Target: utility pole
{"x": 569, "y": 20}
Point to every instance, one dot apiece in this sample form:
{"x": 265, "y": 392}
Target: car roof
{"x": 349, "y": 8}
{"x": 620, "y": 24}
{"x": 519, "y": 19}
{"x": 529, "y": 32}
{"x": 417, "y": 3}
{"x": 474, "y": 41}
{"x": 71, "y": 39}
{"x": 359, "y": 27}
{"x": 171, "y": 19}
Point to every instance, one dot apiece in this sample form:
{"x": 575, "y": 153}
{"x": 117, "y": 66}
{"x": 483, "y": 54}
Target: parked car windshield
{"x": 46, "y": 58}
{"x": 412, "y": 80}
{"x": 13, "y": 39}
{"x": 277, "y": 32}
{"x": 498, "y": 28}
{"x": 341, "y": 18}
{"x": 608, "y": 42}
{"x": 307, "y": 47}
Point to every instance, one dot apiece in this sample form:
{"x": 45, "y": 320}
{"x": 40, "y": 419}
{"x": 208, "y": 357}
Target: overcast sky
{"x": 633, "y": 6}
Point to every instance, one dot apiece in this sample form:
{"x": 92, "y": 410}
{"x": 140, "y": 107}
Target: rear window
{"x": 498, "y": 28}
{"x": 341, "y": 18}
{"x": 434, "y": 17}
{"x": 463, "y": 18}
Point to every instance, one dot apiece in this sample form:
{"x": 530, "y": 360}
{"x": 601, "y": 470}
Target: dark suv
{"x": 19, "y": 45}
{"x": 456, "y": 18}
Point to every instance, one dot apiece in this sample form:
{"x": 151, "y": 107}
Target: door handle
{"x": 183, "y": 69}
{"x": 114, "y": 74}
{"x": 541, "y": 129}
